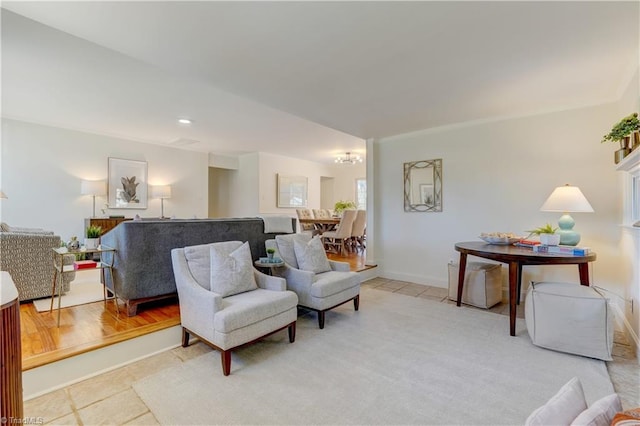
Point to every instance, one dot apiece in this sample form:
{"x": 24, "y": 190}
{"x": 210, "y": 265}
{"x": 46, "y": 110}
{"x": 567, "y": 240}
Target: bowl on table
{"x": 502, "y": 240}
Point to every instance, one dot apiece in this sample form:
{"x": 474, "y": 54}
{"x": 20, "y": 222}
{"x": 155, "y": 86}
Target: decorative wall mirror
{"x": 423, "y": 186}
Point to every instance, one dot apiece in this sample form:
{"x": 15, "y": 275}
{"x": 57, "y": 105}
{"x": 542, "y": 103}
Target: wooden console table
{"x": 11, "y": 406}
{"x": 516, "y": 257}
{"x": 106, "y": 223}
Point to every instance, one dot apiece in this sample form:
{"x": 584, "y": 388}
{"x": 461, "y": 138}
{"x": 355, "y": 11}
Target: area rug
{"x": 399, "y": 360}
{"x": 85, "y": 288}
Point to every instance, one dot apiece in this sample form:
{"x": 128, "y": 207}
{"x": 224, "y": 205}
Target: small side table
{"x": 59, "y": 267}
{"x": 268, "y": 266}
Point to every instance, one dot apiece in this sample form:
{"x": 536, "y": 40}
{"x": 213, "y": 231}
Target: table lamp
{"x": 162, "y": 192}
{"x": 567, "y": 199}
{"x": 93, "y": 188}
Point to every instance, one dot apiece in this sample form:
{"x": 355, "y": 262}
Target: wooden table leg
{"x": 461, "y": 271}
{"x": 519, "y": 282}
{"x": 513, "y": 288}
{"x": 583, "y": 269}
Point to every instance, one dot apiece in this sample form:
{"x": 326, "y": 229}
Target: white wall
{"x": 254, "y": 186}
{"x": 243, "y": 198}
{"x": 345, "y": 182}
{"x": 42, "y": 168}
{"x": 495, "y": 178}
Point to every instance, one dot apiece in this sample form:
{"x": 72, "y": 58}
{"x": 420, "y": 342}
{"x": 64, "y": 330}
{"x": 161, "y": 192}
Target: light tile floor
{"x": 110, "y": 399}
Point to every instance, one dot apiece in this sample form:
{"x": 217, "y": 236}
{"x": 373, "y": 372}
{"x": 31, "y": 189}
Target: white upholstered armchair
{"x": 225, "y": 301}
{"x": 320, "y": 284}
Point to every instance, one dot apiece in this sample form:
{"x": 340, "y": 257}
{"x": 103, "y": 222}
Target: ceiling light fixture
{"x": 184, "y": 121}
{"x": 348, "y": 158}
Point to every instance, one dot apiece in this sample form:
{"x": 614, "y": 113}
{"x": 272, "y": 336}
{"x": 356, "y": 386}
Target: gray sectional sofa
{"x": 142, "y": 262}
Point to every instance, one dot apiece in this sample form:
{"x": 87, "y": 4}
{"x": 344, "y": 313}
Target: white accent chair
{"x": 339, "y": 238}
{"x": 226, "y": 323}
{"x": 317, "y": 291}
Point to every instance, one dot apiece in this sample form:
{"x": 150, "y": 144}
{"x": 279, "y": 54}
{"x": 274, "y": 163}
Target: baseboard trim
{"x": 625, "y": 325}
{"x": 59, "y": 374}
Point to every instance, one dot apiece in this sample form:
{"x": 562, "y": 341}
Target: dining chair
{"x": 306, "y": 227}
{"x": 358, "y": 230}
{"x": 321, "y": 214}
{"x": 342, "y": 234}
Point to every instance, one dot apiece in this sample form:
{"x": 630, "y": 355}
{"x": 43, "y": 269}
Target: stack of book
{"x": 526, "y": 243}
{"x": 84, "y": 264}
{"x": 574, "y": 251}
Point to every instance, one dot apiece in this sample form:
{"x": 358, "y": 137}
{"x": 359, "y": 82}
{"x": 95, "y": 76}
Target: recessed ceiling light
{"x": 184, "y": 121}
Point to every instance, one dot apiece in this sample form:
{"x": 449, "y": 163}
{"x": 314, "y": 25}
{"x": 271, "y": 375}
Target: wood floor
{"x": 91, "y": 326}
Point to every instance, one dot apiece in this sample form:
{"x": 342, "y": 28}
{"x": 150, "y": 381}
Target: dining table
{"x": 323, "y": 225}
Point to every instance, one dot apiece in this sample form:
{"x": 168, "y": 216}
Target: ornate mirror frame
{"x": 423, "y": 186}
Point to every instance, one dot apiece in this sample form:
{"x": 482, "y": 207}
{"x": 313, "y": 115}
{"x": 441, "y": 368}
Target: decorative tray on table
{"x": 500, "y": 238}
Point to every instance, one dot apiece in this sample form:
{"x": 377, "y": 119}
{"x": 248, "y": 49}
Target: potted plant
{"x": 270, "y": 253}
{"x": 93, "y": 236}
{"x": 547, "y": 234}
{"x": 340, "y": 206}
{"x": 621, "y": 132}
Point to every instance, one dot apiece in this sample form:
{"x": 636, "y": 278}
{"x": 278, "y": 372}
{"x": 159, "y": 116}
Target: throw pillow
{"x": 199, "y": 262}
{"x": 627, "y": 418}
{"x": 563, "y": 408}
{"x": 600, "y": 413}
{"x": 311, "y": 256}
{"x": 231, "y": 271}
{"x": 285, "y": 247}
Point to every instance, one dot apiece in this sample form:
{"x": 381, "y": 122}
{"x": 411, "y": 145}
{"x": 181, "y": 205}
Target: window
{"x": 361, "y": 193}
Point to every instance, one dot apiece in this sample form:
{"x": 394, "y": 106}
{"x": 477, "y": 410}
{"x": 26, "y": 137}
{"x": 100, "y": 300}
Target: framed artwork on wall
{"x": 292, "y": 191}
{"x": 127, "y": 184}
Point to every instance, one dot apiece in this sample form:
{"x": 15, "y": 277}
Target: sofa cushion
{"x": 286, "y": 250}
{"x": 600, "y": 413}
{"x": 562, "y": 408}
{"x": 244, "y": 309}
{"x": 231, "y": 268}
{"x": 199, "y": 261}
{"x": 311, "y": 256}
{"x": 333, "y": 282}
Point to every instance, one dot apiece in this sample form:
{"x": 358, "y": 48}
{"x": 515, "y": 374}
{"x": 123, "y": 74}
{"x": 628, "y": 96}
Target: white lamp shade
{"x": 566, "y": 199}
{"x": 161, "y": 191}
{"x": 3, "y": 195}
{"x": 93, "y": 187}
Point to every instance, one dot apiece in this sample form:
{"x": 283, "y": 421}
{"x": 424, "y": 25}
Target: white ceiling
{"x": 307, "y": 79}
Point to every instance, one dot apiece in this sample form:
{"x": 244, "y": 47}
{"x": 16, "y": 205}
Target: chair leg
{"x": 356, "y": 302}
{"x": 292, "y": 332}
{"x": 225, "y": 357}
{"x": 321, "y": 319}
{"x": 185, "y": 337}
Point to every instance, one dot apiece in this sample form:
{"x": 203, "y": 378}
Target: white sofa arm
{"x": 339, "y": 266}
{"x": 268, "y": 282}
